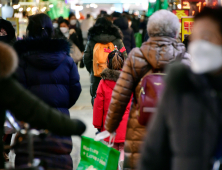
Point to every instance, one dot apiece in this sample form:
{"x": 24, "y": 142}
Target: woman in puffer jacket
{"x": 110, "y": 76}
{"x": 47, "y": 70}
{"x": 25, "y": 106}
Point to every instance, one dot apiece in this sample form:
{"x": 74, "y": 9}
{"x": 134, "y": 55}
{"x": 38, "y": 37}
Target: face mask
{"x": 64, "y": 29}
{"x": 206, "y": 56}
{"x": 55, "y": 25}
{"x": 73, "y": 22}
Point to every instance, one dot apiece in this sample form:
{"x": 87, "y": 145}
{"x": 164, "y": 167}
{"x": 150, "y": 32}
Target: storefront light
{"x": 43, "y": 9}
{"x": 93, "y": 5}
{"x": 152, "y": 1}
{"x": 179, "y": 6}
{"x": 51, "y": 6}
{"x": 20, "y": 9}
{"x": 34, "y": 9}
{"x": 16, "y": 6}
{"x": 28, "y": 9}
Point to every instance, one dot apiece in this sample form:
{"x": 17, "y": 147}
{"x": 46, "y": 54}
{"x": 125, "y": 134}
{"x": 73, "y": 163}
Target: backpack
{"x": 100, "y": 57}
{"x": 151, "y": 87}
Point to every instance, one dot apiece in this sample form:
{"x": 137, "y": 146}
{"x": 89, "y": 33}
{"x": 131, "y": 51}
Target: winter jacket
{"x": 47, "y": 70}
{"x": 97, "y": 34}
{"x": 185, "y": 132}
{"x": 156, "y": 53}
{"x": 102, "y": 101}
{"x": 25, "y": 106}
{"x": 128, "y": 34}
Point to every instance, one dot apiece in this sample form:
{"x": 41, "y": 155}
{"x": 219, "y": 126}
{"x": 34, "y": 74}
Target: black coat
{"x": 128, "y": 34}
{"x": 185, "y": 131}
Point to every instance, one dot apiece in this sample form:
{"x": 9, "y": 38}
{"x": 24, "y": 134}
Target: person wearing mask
{"x": 55, "y": 23}
{"x": 86, "y": 25}
{"x": 128, "y": 34}
{"x": 74, "y": 24}
{"x": 102, "y": 32}
{"x": 185, "y": 133}
{"x": 160, "y": 50}
{"x": 27, "y": 107}
{"x": 47, "y": 70}
{"x": 7, "y": 32}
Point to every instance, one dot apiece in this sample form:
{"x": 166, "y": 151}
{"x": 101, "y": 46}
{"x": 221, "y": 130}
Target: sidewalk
{"x": 82, "y": 110}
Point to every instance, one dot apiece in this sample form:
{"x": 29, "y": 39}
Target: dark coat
{"x": 184, "y": 133}
{"x": 79, "y": 35}
{"x": 47, "y": 70}
{"x": 155, "y": 54}
{"x": 97, "y": 34}
{"x": 25, "y": 106}
{"x": 128, "y": 34}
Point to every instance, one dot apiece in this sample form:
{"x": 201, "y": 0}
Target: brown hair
{"x": 115, "y": 60}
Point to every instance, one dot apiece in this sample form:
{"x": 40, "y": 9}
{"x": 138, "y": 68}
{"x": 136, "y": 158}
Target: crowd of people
{"x": 39, "y": 83}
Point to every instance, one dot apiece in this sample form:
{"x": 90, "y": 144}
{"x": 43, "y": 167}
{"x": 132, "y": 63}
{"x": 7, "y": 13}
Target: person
{"x": 55, "y": 23}
{"x": 102, "y": 32}
{"x": 27, "y": 107}
{"x": 7, "y": 32}
{"x": 128, "y": 34}
{"x": 109, "y": 76}
{"x": 47, "y": 70}
{"x": 86, "y": 25}
{"x": 185, "y": 133}
{"x": 155, "y": 54}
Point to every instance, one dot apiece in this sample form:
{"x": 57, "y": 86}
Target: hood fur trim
{"x": 98, "y": 30}
{"x": 42, "y": 45}
{"x": 8, "y": 60}
{"x": 109, "y": 74}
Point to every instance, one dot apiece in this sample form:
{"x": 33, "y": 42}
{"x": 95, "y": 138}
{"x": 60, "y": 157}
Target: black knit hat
{"x": 7, "y": 26}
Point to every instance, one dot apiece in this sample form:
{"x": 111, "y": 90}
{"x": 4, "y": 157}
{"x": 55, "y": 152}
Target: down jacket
{"x": 185, "y": 132}
{"x": 25, "y": 106}
{"x": 156, "y": 53}
{"x": 98, "y": 34}
{"x": 47, "y": 70}
{"x": 102, "y": 101}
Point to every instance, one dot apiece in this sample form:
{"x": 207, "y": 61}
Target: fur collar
{"x": 109, "y": 74}
{"x": 98, "y": 30}
{"x": 8, "y": 60}
{"x": 42, "y": 45}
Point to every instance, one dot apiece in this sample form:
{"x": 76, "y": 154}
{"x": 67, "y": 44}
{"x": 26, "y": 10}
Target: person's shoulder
{"x": 136, "y": 53}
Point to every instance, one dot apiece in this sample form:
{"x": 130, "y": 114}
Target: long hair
{"x": 40, "y": 26}
{"x": 115, "y": 60}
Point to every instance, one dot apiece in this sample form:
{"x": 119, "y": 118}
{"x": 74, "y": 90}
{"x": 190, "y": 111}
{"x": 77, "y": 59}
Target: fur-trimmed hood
{"x": 103, "y": 34}
{"x": 44, "y": 53}
{"x": 109, "y": 74}
{"x": 8, "y": 60}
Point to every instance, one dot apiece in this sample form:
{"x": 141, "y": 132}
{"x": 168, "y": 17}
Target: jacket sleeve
{"x": 98, "y": 107}
{"x": 119, "y": 44}
{"x": 88, "y": 56}
{"x": 120, "y": 97}
{"x": 26, "y": 107}
{"x": 74, "y": 85}
{"x": 156, "y": 151}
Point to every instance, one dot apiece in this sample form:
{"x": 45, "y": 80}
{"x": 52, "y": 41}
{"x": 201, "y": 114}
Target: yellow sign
{"x": 187, "y": 26}
{"x": 15, "y": 24}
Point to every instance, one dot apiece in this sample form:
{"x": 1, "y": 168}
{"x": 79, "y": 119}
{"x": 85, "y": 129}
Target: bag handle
{"x": 106, "y": 134}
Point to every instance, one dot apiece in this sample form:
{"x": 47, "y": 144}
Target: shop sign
{"x": 181, "y": 13}
{"x": 187, "y": 26}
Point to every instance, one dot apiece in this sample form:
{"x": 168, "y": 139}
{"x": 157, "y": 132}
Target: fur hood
{"x": 42, "y": 45}
{"x": 101, "y": 30}
{"x": 8, "y": 60}
{"x": 109, "y": 74}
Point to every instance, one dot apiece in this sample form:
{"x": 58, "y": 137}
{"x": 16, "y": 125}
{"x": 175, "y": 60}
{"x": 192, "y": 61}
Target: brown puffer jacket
{"x": 156, "y": 54}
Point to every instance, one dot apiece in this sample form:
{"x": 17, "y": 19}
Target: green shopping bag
{"x": 97, "y": 155}
{"x": 138, "y": 39}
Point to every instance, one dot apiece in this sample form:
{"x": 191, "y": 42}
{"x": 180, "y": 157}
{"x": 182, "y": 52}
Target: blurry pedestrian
{"x": 102, "y": 32}
{"x": 155, "y": 54}
{"x": 55, "y": 23}
{"x": 7, "y": 32}
{"x": 110, "y": 76}
{"x": 86, "y": 25}
{"x": 25, "y": 106}
{"x": 47, "y": 70}
{"x": 186, "y": 131}
{"x": 128, "y": 34}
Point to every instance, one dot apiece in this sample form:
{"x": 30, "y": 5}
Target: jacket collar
{"x": 109, "y": 74}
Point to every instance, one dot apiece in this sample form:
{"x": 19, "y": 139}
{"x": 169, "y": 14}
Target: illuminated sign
{"x": 187, "y": 26}
{"x": 181, "y": 13}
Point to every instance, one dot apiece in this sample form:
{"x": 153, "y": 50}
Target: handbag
{"x": 75, "y": 53}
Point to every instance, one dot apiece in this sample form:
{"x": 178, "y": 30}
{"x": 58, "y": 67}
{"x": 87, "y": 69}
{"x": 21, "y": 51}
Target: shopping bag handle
{"x": 106, "y": 134}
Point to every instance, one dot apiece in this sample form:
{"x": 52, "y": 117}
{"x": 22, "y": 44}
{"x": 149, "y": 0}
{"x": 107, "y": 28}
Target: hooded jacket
{"x": 25, "y": 106}
{"x": 47, "y": 70}
{"x": 186, "y": 130}
{"x": 128, "y": 34}
{"x": 100, "y": 34}
{"x": 102, "y": 101}
{"x": 156, "y": 53}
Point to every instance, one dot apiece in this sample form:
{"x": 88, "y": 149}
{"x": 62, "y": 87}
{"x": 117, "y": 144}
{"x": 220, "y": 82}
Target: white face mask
{"x": 73, "y": 22}
{"x": 206, "y": 56}
{"x": 55, "y": 25}
{"x": 64, "y": 29}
